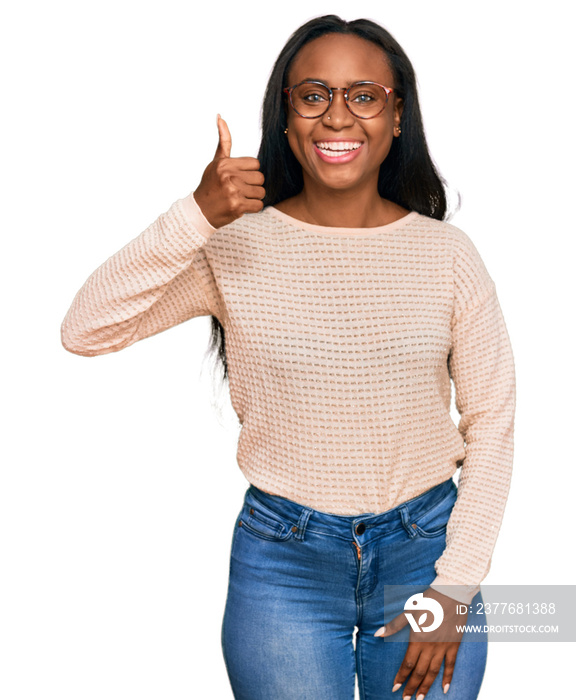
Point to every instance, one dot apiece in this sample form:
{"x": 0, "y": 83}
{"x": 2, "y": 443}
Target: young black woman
{"x": 347, "y": 305}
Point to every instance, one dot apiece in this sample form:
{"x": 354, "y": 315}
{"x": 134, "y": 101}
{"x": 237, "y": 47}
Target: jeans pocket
{"x": 434, "y": 521}
{"x": 262, "y": 522}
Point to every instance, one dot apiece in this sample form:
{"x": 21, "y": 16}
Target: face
{"x": 361, "y": 144}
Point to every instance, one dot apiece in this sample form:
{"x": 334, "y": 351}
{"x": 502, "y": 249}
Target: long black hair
{"x": 407, "y": 176}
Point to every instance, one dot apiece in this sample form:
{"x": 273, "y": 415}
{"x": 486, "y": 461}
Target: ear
{"x": 398, "y": 109}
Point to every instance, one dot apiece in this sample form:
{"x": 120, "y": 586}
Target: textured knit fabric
{"x": 341, "y": 344}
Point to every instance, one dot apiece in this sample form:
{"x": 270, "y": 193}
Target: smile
{"x": 336, "y": 149}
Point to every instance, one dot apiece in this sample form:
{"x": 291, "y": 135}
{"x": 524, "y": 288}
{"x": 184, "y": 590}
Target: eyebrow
{"x": 327, "y": 82}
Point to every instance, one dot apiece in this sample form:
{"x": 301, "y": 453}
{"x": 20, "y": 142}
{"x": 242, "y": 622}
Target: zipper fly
{"x": 358, "y": 550}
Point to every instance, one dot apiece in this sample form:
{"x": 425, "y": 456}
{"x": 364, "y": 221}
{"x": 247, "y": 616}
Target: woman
{"x": 346, "y": 305}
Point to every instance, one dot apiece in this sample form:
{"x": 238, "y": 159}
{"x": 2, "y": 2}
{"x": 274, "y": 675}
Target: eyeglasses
{"x": 312, "y": 98}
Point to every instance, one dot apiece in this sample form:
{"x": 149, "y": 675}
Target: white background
{"x": 119, "y": 485}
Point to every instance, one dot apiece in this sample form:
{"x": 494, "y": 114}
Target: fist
{"x": 229, "y": 187}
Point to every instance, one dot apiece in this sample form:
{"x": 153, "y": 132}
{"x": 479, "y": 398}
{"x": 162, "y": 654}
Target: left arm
{"x": 481, "y": 365}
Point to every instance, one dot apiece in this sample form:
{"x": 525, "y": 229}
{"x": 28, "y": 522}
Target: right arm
{"x": 146, "y": 287}
{"x": 152, "y": 283}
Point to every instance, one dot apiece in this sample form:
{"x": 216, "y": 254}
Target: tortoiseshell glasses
{"x": 312, "y": 99}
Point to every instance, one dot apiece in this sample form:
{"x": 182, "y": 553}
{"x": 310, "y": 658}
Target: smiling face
{"x": 339, "y": 151}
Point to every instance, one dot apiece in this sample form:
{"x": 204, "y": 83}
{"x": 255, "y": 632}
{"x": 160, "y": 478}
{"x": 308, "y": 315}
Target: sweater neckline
{"x": 341, "y": 231}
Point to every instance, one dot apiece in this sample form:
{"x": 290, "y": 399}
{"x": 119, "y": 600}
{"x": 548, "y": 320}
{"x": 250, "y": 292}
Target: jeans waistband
{"x": 347, "y": 525}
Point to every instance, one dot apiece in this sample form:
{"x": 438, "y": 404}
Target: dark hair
{"x": 408, "y": 175}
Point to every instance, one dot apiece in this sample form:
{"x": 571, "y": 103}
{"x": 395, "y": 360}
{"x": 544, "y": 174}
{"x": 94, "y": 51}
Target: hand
{"x": 427, "y": 650}
{"x": 229, "y": 187}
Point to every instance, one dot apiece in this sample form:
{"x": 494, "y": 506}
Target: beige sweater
{"x": 341, "y": 344}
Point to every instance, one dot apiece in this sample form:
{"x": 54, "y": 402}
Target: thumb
{"x": 395, "y": 625}
{"x": 224, "y": 140}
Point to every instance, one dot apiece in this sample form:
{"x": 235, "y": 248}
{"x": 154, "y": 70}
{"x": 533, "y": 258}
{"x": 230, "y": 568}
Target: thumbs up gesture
{"x": 229, "y": 187}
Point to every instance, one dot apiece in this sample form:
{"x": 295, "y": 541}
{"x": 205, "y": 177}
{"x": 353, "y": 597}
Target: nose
{"x": 338, "y": 114}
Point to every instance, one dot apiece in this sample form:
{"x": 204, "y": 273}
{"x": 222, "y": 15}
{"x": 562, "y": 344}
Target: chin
{"x": 341, "y": 184}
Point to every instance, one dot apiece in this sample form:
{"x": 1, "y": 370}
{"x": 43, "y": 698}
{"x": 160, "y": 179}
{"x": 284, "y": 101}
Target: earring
{"x": 399, "y": 130}
{"x": 286, "y": 130}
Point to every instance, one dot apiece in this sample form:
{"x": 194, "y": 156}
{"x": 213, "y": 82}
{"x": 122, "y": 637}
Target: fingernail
{"x": 420, "y": 697}
{"x": 380, "y": 632}
{"x": 406, "y": 697}
{"x": 395, "y": 688}
{"x": 446, "y": 688}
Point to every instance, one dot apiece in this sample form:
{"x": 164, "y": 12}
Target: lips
{"x": 338, "y": 152}
{"x": 336, "y": 149}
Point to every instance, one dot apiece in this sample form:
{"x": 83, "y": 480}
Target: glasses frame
{"x": 288, "y": 91}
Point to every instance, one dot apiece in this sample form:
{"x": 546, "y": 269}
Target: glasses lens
{"x": 366, "y": 100}
{"x": 310, "y": 99}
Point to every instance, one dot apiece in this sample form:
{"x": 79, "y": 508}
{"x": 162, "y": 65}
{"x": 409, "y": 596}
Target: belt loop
{"x": 405, "y": 515}
{"x": 302, "y": 522}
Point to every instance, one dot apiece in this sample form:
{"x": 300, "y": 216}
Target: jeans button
{"x": 360, "y": 529}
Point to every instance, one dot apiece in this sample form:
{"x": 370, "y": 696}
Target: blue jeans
{"x": 301, "y": 580}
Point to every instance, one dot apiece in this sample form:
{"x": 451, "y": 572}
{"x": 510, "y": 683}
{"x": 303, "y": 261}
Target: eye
{"x": 314, "y": 96}
{"x": 311, "y": 94}
{"x": 363, "y": 96}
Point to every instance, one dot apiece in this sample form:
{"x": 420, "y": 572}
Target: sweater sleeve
{"x": 148, "y": 286}
{"x": 482, "y": 367}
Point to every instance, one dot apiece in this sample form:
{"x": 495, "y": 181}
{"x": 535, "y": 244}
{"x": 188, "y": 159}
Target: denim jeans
{"x": 302, "y": 580}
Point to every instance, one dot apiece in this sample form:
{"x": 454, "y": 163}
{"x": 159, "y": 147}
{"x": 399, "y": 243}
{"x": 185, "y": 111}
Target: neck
{"x": 362, "y": 208}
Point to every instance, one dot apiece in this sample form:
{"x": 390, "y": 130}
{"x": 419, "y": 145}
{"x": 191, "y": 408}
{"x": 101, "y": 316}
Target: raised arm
{"x": 160, "y": 278}
{"x": 149, "y": 285}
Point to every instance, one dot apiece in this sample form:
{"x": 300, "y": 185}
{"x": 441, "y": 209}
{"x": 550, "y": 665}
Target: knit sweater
{"x": 341, "y": 345}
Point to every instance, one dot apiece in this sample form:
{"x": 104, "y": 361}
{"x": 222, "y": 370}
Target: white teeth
{"x": 338, "y": 145}
{"x": 333, "y": 154}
